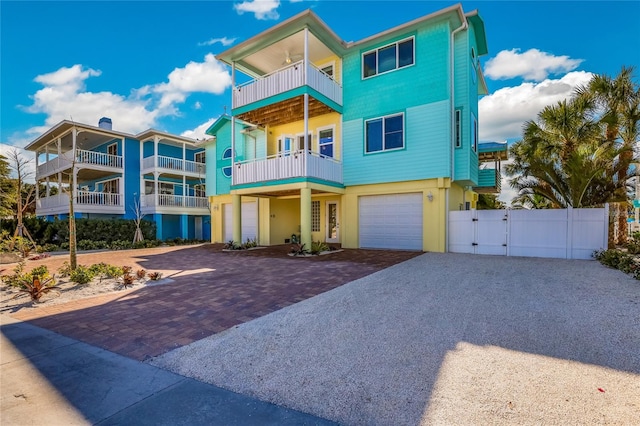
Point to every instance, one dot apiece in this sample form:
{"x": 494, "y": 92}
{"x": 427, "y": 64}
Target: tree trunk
{"x": 73, "y": 261}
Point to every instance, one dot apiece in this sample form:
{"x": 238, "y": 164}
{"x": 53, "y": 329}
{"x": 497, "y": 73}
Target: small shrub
{"x": 19, "y": 277}
{"x": 299, "y": 250}
{"x": 38, "y": 288}
{"x": 113, "y": 271}
{"x": 619, "y": 260}
{"x": 81, "y": 275}
{"x": 65, "y": 269}
{"x": 318, "y": 247}
{"x": 155, "y": 276}
{"x": 99, "y": 270}
{"x": 633, "y": 246}
{"x": 46, "y": 248}
{"x": 250, "y": 244}
{"x": 232, "y": 245}
{"x": 141, "y": 274}
{"x": 41, "y": 272}
{"x": 127, "y": 279}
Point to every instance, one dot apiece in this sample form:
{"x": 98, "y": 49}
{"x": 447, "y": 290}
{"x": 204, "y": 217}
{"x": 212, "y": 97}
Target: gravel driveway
{"x": 443, "y": 339}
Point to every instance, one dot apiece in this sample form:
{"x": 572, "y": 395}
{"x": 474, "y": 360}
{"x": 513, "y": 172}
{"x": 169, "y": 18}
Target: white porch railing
{"x": 285, "y": 79}
{"x": 64, "y": 161}
{"x": 167, "y": 200}
{"x": 99, "y": 199}
{"x": 292, "y": 165}
{"x": 98, "y": 158}
{"x": 83, "y": 199}
{"x": 171, "y": 163}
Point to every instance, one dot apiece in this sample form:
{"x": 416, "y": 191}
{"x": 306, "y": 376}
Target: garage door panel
{"x": 391, "y": 221}
{"x": 249, "y": 221}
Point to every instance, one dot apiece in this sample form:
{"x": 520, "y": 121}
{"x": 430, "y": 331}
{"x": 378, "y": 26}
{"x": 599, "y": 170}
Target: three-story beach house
{"x": 368, "y": 144}
{"x": 111, "y": 173}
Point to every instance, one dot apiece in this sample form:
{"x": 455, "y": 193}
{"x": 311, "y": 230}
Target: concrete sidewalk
{"x": 47, "y": 378}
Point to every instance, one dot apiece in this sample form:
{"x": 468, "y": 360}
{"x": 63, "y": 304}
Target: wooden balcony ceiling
{"x": 284, "y": 112}
{"x": 289, "y": 193}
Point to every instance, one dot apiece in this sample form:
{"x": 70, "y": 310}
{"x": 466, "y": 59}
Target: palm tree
{"x": 616, "y": 100}
{"x": 565, "y": 158}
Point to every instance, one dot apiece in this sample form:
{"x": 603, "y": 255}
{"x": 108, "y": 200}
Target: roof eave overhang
{"x": 306, "y": 19}
{"x": 150, "y": 133}
{"x": 481, "y": 37}
{"x": 453, "y": 13}
{"x": 63, "y": 127}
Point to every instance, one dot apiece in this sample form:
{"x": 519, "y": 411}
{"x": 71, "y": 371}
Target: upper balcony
{"x": 490, "y": 178}
{"x": 489, "y": 181}
{"x": 283, "y": 80}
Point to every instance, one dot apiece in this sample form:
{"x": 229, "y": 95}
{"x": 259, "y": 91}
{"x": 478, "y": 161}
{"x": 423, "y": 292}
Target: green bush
{"x": 619, "y": 260}
{"x": 81, "y": 275}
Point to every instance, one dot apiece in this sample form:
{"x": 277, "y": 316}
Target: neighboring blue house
{"x": 368, "y": 144}
{"x": 111, "y": 172}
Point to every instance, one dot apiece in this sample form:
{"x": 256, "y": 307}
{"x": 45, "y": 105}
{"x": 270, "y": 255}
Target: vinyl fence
{"x": 559, "y": 233}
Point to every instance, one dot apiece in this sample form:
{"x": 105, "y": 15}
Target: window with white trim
{"x": 384, "y": 133}
{"x": 226, "y": 153}
{"x": 388, "y": 58}
{"x": 315, "y": 216}
{"x": 325, "y": 141}
{"x": 458, "y": 141}
{"x": 226, "y": 171}
{"x": 198, "y": 157}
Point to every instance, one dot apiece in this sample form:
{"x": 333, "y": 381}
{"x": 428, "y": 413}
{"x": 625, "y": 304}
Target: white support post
{"x": 141, "y": 144}
{"x": 233, "y": 149}
{"x": 156, "y": 185}
{"x": 74, "y": 170}
{"x": 184, "y": 157}
{"x": 306, "y": 58}
{"x": 155, "y": 152}
{"x": 185, "y": 191}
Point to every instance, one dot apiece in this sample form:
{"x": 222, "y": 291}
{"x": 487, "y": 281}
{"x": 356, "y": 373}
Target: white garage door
{"x": 249, "y": 221}
{"x": 391, "y": 221}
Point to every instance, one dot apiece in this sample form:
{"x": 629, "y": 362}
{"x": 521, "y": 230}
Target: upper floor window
{"x": 388, "y": 58}
{"x": 199, "y": 157}
{"x": 226, "y": 153}
{"x": 458, "y": 128}
{"x": 385, "y": 133}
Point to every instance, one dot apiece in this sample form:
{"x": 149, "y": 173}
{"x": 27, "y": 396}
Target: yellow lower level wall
{"x": 278, "y": 218}
{"x": 433, "y": 214}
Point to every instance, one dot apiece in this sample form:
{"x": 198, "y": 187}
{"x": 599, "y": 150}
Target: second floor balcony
{"x": 296, "y": 164}
{"x": 171, "y": 165}
{"x": 489, "y": 181}
{"x": 291, "y": 77}
{"x": 169, "y": 203}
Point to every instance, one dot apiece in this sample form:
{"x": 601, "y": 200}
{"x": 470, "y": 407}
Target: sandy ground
{"x": 444, "y": 339}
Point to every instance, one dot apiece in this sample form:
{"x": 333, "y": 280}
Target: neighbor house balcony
{"x": 293, "y": 76}
{"x": 296, "y": 164}
{"x": 171, "y": 165}
{"x": 85, "y": 202}
{"x": 86, "y": 159}
{"x": 489, "y": 181}
{"x": 174, "y": 204}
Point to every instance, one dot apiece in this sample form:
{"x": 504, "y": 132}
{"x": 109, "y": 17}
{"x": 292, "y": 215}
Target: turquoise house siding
{"x": 424, "y": 156}
{"x": 424, "y": 82}
{"x": 211, "y": 171}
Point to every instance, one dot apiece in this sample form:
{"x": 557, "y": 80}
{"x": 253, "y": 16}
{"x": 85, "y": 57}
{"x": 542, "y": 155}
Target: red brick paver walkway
{"x": 211, "y": 291}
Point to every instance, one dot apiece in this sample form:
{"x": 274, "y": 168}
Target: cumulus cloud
{"x": 199, "y": 132}
{"x": 262, "y": 9}
{"x": 502, "y": 113}
{"x": 531, "y": 65}
{"x": 209, "y": 76}
{"x": 222, "y": 40}
{"x": 64, "y": 97}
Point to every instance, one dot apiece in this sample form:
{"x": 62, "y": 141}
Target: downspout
{"x": 452, "y": 111}
{"x": 233, "y": 121}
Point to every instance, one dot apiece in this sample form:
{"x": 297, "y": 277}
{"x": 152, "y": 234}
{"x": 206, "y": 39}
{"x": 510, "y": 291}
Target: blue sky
{"x": 150, "y": 63}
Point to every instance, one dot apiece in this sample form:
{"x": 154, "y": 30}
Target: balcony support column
{"x": 305, "y": 217}
{"x": 185, "y": 190}
{"x": 305, "y": 137}
{"x": 236, "y": 209}
{"x": 74, "y": 171}
{"x": 156, "y": 185}
{"x": 306, "y": 59}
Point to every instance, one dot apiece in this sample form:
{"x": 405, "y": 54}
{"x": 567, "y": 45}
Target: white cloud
{"x": 530, "y": 65}
{"x": 199, "y": 132}
{"x": 197, "y": 105}
{"x": 222, "y": 40}
{"x": 262, "y": 9}
{"x": 502, "y": 113}
{"x": 209, "y": 76}
{"x": 64, "y": 97}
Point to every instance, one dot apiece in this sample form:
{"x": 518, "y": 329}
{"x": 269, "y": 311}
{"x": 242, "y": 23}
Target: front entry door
{"x": 333, "y": 222}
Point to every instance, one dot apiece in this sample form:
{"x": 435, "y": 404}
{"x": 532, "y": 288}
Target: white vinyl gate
{"x": 559, "y": 233}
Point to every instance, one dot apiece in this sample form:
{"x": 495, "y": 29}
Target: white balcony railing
{"x": 84, "y": 157}
{"x": 285, "y": 79}
{"x": 175, "y": 164}
{"x": 285, "y": 166}
{"x": 83, "y": 199}
{"x": 167, "y": 200}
